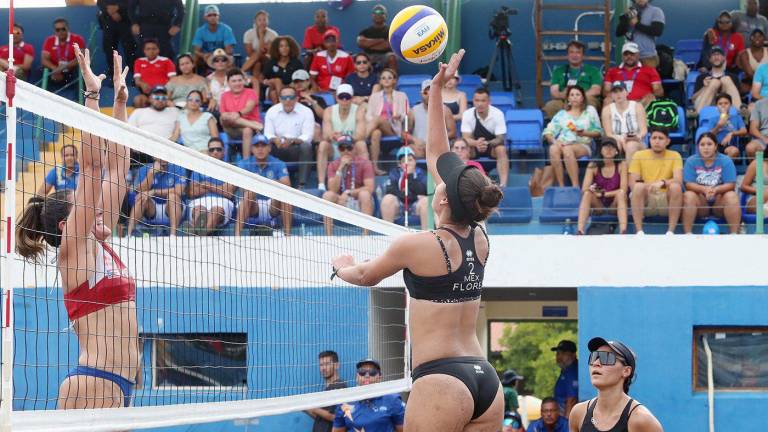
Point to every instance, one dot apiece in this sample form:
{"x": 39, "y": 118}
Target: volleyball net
{"x": 227, "y": 326}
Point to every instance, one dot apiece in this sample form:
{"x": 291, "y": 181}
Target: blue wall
{"x": 658, "y": 323}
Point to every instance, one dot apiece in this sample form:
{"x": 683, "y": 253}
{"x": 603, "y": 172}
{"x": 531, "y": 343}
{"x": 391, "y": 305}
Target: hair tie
{"x": 36, "y": 200}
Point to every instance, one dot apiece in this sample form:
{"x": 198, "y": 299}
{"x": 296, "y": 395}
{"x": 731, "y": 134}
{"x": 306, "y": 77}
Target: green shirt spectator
{"x": 585, "y": 77}
{"x": 509, "y": 381}
{"x": 574, "y": 73}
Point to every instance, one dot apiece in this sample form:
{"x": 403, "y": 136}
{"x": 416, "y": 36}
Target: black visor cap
{"x": 450, "y": 168}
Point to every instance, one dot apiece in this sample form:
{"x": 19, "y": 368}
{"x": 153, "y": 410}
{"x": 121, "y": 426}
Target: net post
{"x": 760, "y": 193}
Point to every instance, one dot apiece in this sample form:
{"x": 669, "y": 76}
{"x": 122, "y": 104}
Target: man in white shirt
{"x": 487, "y": 136}
{"x": 290, "y": 127}
{"x": 158, "y": 118}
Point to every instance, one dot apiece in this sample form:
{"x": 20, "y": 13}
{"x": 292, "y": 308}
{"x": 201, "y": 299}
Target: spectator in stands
{"x": 570, "y": 135}
{"x": 307, "y": 96}
{"x": 655, "y": 179}
{"x": 574, "y": 73}
{"x": 393, "y": 203}
{"x": 509, "y": 380}
{"x": 350, "y": 181}
{"x": 722, "y": 35}
{"x": 455, "y": 99}
{"x": 461, "y": 148}
{"x": 194, "y": 126}
{"x": 62, "y": 177}
{"x": 550, "y": 420}
{"x": 187, "y": 80}
{"x": 710, "y": 186}
{"x": 58, "y": 53}
{"x": 289, "y": 126}
{"x": 417, "y": 122}
{"x": 605, "y": 186}
{"x": 160, "y": 193}
{"x": 642, "y": 24}
{"x": 211, "y": 200}
{"x": 314, "y": 35}
{"x": 749, "y": 185}
{"x": 643, "y": 82}
{"x": 758, "y": 127}
{"x": 280, "y": 66}
{"x": 625, "y": 121}
{"x": 115, "y": 29}
{"x": 363, "y": 81}
{"x": 211, "y": 36}
{"x": 512, "y": 422}
{"x": 150, "y": 71}
{"x": 754, "y": 56}
{"x": 749, "y": 20}
{"x": 729, "y": 127}
{"x": 23, "y": 54}
{"x": 239, "y": 109}
{"x": 264, "y": 209}
{"x": 220, "y": 62}
{"x": 342, "y": 119}
{"x": 380, "y": 414}
{"x": 329, "y": 370}
{"x": 385, "y": 116}
{"x": 567, "y": 385}
{"x": 257, "y": 41}
{"x": 484, "y": 129}
{"x": 374, "y": 40}
{"x": 716, "y": 80}
{"x": 330, "y": 66}
{"x": 157, "y": 19}
{"x": 158, "y": 117}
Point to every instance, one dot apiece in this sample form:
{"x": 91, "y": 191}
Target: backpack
{"x": 663, "y": 113}
{"x": 666, "y": 67}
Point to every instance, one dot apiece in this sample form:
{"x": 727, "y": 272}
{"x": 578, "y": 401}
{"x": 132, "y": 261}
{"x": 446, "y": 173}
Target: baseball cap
{"x": 608, "y": 141}
{"x": 403, "y": 152}
{"x": 368, "y": 361}
{"x": 345, "y": 140}
{"x": 757, "y": 30}
{"x": 716, "y": 49}
{"x": 219, "y": 52}
{"x": 211, "y": 10}
{"x": 158, "y": 89}
{"x": 300, "y": 75}
{"x": 426, "y": 84}
{"x": 331, "y": 33}
{"x": 618, "y": 85}
{"x": 450, "y": 168}
{"x": 619, "y": 348}
{"x": 260, "y": 139}
{"x": 509, "y": 376}
{"x": 566, "y": 346}
{"x": 379, "y": 9}
{"x": 345, "y": 89}
{"x": 630, "y": 47}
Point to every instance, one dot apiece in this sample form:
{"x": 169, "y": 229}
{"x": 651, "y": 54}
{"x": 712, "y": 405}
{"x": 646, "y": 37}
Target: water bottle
{"x": 568, "y": 227}
{"x": 743, "y": 228}
{"x": 303, "y": 230}
{"x": 379, "y": 193}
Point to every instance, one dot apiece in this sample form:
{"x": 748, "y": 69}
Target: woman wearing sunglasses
{"x": 381, "y": 414}
{"x": 612, "y": 370}
{"x": 195, "y": 127}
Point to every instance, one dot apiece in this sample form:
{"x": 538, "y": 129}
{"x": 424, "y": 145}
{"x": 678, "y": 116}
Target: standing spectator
{"x": 240, "y": 110}
{"x": 58, "y": 53}
{"x": 625, "y": 121}
{"x": 211, "y": 200}
{"x": 115, "y": 29}
{"x": 385, "y": 115}
{"x": 160, "y": 188}
{"x": 62, "y": 177}
{"x": 710, "y": 186}
{"x": 567, "y": 385}
{"x": 551, "y": 420}
{"x": 220, "y": 62}
{"x": 150, "y": 71}
{"x": 211, "y": 36}
{"x": 461, "y": 148}
{"x": 329, "y": 370}
{"x": 570, "y": 135}
{"x": 758, "y": 127}
{"x": 643, "y": 82}
{"x": 342, "y": 119}
{"x": 751, "y": 58}
{"x": 729, "y": 127}
{"x": 509, "y": 383}
{"x": 331, "y": 66}
{"x": 454, "y": 99}
{"x": 374, "y": 40}
{"x": 157, "y": 19}
{"x": 186, "y": 81}
{"x": 363, "y": 81}
{"x": 158, "y": 117}
{"x": 314, "y": 35}
{"x": 279, "y": 68}
{"x": 350, "y": 181}
{"x": 393, "y": 203}
{"x": 605, "y": 186}
{"x": 195, "y": 127}
{"x": 722, "y": 35}
{"x": 23, "y": 54}
{"x": 483, "y": 127}
{"x": 716, "y": 80}
{"x": 417, "y": 122}
{"x": 749, "y": 20}
{"x": 289, "y": 126}
{"x": 642, "y": 24}
{"x": 749, "y": 185}
{"x": 257, "y": 41}
{"x": 655, "y": 179}
{"x": 574, "y": 73}
{"x": 380, "y": 414}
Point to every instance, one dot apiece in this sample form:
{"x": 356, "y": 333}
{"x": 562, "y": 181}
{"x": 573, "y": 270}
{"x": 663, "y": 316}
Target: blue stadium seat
{"x": 708, "y": 118}
{"x": 468, "y": 84}
{"x": 413, "y": 220}
{"x": 505, "y": 101}
{"x": 413, "y": 92}
{"x": 559, "y": 204}
{"x": 524, "y": 127}
{"x": 516, "y": 207}
{"x": 688, "y": 51}
{"x": 306, "y": 217}
{"x": 749, "y": 218}
{"x": 678, "y": 136}
{"x": 327, "y": 97}
{"x": 412, "y": 80}
{"x": 690, "y": 84}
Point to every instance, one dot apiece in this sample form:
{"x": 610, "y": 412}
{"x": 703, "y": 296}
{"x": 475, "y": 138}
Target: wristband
{"x": 91, "y": 94}
{"x": 335, "y": 272}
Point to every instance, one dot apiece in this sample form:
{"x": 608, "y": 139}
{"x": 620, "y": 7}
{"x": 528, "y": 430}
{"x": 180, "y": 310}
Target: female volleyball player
{"x": 454, "y": 387}
{"x": 99, "y": 294}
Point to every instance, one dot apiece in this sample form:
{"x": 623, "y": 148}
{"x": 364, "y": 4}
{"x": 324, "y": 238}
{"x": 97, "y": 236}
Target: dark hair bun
{"x": 489, "y": 199}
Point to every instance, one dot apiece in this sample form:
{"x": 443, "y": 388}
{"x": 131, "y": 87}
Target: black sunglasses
{"x": 344, "y": 96}
{"x": 607, "y": 358}
{"x": 361, "y": 62}
{"x": 368, "y": 372}
{"x": 215, "y": 149}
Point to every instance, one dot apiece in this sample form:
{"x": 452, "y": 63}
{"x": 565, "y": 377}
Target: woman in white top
{"x": 194, "y": 126}
{"x": 220, "y": 62}
{"x": 257, "y": 41}
{"x": 752, "y": 57}
{"x": 625, "y": 121}
{"x": 453, "y": 98}
{"x": 184, "y": 82}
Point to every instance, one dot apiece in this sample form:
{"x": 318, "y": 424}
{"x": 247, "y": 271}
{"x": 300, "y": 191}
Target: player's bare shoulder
{"x": 642, "y": 420}
{"x": 576, "y": 418}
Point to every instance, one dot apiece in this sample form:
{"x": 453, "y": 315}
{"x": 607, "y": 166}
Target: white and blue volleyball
{"x": 418, "y": 34}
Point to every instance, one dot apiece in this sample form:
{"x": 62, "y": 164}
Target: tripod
{"x": 509, "y": 78}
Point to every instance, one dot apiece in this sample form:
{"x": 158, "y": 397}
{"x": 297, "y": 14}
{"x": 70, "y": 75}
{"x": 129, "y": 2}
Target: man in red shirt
{"x": 643, "y": 82}
{"x": 23, "y": 54}
{"x": 150, "y": 71}
{"x": 58, "y": 53}
{"x": 313, "y": 35}
{"x": 331, "y": 66}
{"x": 240, "y": 111}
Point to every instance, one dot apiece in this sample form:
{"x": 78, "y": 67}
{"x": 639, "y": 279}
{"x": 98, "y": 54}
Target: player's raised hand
{"x": 91, "y": 80}
{"x": 447, "y": 70}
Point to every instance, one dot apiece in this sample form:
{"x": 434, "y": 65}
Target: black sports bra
{"x": 465, "y": 284}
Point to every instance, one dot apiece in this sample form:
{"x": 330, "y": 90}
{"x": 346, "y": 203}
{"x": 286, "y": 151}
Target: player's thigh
{"x": 85, "y": 391}
{"x": 438, "y": 403}
{"x": 490, "y": 420}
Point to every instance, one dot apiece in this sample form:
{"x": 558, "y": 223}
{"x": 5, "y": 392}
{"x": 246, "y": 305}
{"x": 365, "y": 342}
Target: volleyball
{"x": 418, "y": 34}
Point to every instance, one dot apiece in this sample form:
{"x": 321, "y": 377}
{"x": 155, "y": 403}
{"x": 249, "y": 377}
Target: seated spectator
{"x": 262, "y": 163}
{"x": 715, "y": 80}
{"x": 289, "y": 126}
{"x": 749, "y": 186}
{"x": 643, "y": 82}
{"x": 150, "y": 71}
{"x": 417, "y": 122}
{"x": 240, "y": 110}
{"x": 374, "y": 40}
{"x": 550, "y": 420}
{"x": 280, "y": 66}
{"x": 383, "y": 413}
{"x": 307, "y": 96}
{"x": 710, "y": 186}
{"x": 721, "y": 35}
{"x": 483, "y": 127}
{"x": 23, "y": 54}
{"x": 330, "y": 66}
{"x": 160, "y": 193}
{"x": 257, "y": 41}
{"x": 605, "y": 186}
{"x": 625, "y": 121}
{"x": 570, "y": 135}
{"x": 461, "y": 148}
{"x": 220, "y": 62}
{"x": 512, "y": 422}
{"x": 350, "y": 181}
{"x": 729, "y": 127}
{"x": 195, "y": 127}
{"x": 394, "y": 202}
{"x": 363, "y": 81}
{"x": 749, "y": 20}
{"x": 186, "y": 81}
{"x": 453, "y": 98}
{"x": 62, "y": 177}
{"x": 758, "y": 128}
{"x": 760, "y": 83}
{"x": 211, "y": 36}
{"x": 58, "y": 54}
{"x": 342, "y": 119}
{"x": 655, "y": 179}
{"x": 642, "y": 24}
{"x": 574, "y": 73}
{"x": 754, "y": 56}
{"x": 158, "y": 118}
{"x": 314, "y": 35}
{"x": 385, "y": 116}
{"x": 211, "y": 200}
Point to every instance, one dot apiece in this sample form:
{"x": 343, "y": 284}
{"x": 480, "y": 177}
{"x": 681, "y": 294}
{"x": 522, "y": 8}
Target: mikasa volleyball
{"x": 418, "y": 34}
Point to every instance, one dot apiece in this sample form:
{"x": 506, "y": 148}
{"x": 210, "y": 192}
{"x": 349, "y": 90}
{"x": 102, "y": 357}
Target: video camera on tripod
{"x": 499, "y": 25}
{"x": 499, "y": 31}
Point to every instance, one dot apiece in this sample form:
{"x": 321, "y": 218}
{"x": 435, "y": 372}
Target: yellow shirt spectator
{"x": 652, "y": 167}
